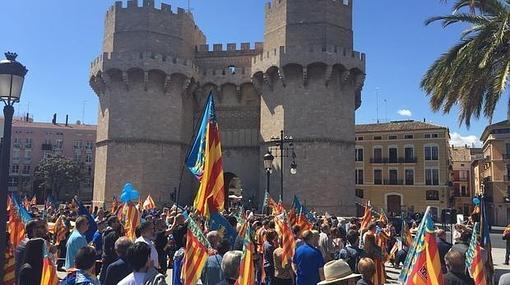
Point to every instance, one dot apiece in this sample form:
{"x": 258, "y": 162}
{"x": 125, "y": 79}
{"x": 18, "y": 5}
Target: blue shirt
{"x": 308, "y": 261}
{"x": 97, "y": 241}
{"x": 74, "y": 243}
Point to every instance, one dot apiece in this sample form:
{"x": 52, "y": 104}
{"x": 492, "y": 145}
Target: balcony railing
{"x": 393, "y": 160}
{"x": 393, "y": 182}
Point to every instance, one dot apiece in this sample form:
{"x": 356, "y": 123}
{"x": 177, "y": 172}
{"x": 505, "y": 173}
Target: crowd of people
{"x": 333, "y": 250}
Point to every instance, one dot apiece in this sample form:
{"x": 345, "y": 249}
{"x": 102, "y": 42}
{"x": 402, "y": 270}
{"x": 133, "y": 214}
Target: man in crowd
{"x": 147, "y": 236}
{"x": 120, "y": 268}
{"x": 76, "y": 241}
{"x": 443, "y": 247}
{"x": 230, "y": 267}
{"x": 352, "y": 253}
{"x": 212, "y": 274}
{"x": 34, "y": 229}
{"x": 139, "y": 259}
{"x": 112, "y": 233}
{"x": 84, "y": 272}
{"x": 308, "y": 262}
{"x": 455, "y": 264}
{"x": 325, "y": 242}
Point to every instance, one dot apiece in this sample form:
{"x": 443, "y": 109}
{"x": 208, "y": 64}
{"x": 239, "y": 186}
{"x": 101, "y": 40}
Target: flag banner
{"x": 82, "y": 211}
{"x": 276, "y": 208}
{"x": 205, "y": 162}
{"x": 49, "y": 271}
{"x": 288, "y": 242}
{"x": 485, "y": 240}
{"x": 9, "y": 277}
{"x": 15, "y": 225}
{"x": 130, "y": 219}
{"x": 423, "y": 265}
{"x": 115, "y": 205}
{"x": 247, "y": 267}
{"x": 60, "y": 231}
{"x": 218, "y": 223}
{"x": 407, "y": 238}
{"x": 22, "y": 211}
{"x": 299, "y": 215}
{"x": 474, "y": 262}
{"x": 367, "y": 217}
{"x": 149, "y": 204}
{"x": 195, "y": 253}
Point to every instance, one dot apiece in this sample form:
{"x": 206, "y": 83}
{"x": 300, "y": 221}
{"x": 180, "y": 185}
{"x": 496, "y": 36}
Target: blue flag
{"x": 218, "y": 223}
{"x": 82, "y": 211}
{"x": 23, "y": 213}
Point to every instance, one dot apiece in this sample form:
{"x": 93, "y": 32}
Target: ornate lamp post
{"x": 12, "y": 76}
{"x": 284, "y": 144}
{"x": 268, "y": 166}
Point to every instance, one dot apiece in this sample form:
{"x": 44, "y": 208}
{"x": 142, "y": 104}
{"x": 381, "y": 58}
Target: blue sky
{"x": 56, "y": 40}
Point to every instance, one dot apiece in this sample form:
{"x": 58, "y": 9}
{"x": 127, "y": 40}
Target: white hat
{"x": 337, "y": 270}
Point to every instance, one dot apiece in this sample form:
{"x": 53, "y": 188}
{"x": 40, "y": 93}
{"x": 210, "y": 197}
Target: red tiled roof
{"x": 393, "y": 126}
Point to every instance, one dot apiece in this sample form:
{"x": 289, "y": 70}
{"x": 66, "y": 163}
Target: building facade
{"x": 493, "y": 171}
{"x": 156, "y": 71}
{"x": 462, "y": 178}
{"x": 403, "y": 166}
{"x": 34, "y": 141}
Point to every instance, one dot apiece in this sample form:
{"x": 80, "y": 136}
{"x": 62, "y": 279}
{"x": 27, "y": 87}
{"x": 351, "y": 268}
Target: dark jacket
{"x": 116, "y": 272}
{"x": 26, "y": 276}
{"x": 452, "y": 278}
{"x": 443, "y": 248}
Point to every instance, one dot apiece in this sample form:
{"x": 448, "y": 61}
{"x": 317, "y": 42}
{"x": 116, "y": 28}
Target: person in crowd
{"x": 308, "y": 262}
{"x": 338, "y": 272}
{"x": 374, "y": 252}
{"x": 120, "y": 268}
{"x": 178, "y": 262}
{"x": 76, "y": 241}
{"x": 144, "y": 273}
{"x": 325, "y": 242}
{"x": 30, "y": 271}
{"x": 97, "y": 242}
{"x": 296, "y": 230}
{"x": 352, "y": 253}
{"x": 147, "y": 235}
{"x": 337, "y": 241}
{"x": 112, "y": 233}
{"x": 84, "y": 271}
{"x": 212, "y": 274}
{"x": 230, "y": 267}
{"x": 161, "y": 244}
{"x": 33, "y": 229}
{"x": 443, "y": 247}
{"x": 366, "y": 268}
{"x": 269, "y": 247}
{"x": 283, "y": 275}
{"x": 506, "y": 236}
{"x": 455, "y": 264}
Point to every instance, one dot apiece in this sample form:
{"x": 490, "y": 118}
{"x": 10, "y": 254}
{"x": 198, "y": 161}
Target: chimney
{"x": 27, "y": 117}
{"x": 424, "y": 120}
{"x": 54, "y": 120}
{"x": 67, "y": 120}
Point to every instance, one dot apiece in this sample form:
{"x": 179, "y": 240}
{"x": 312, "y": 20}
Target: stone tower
{"x": 155, "y": 73}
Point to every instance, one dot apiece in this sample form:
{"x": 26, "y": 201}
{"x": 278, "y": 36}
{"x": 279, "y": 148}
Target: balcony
{"x": 393, "y": 182}
{"x": 393, "y": 160}
{"x": 47, "y": 147}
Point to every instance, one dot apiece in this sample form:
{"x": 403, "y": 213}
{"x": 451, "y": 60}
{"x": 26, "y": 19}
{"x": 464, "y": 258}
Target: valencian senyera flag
{"x": 205, "y": 162}
{"x": 299, "y": 215}
{"x": 195, "y": 253}
{"x": 247, "y": 267}
{"x": 288, "y": 243}
{"x": 49, "y": 270}
{"x": 422, "y": 264}
{"x": 474, "y": 262}
{"x": 367, "y": 217}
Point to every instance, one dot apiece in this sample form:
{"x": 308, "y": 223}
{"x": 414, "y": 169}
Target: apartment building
{"x": 492, "y": 172}
{"x": 462, "y": 177}
{"x": 32, "y": 141}
{"x": 403, "y": 166}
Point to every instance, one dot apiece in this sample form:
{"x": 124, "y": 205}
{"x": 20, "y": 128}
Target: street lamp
{"x": 286, "y": 146}
{"x": 12, "y": 76}
{"x": 268, "y": 166}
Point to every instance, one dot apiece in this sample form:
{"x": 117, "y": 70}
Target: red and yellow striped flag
{"x": 367, "y": 217}
{"x": 131, "y": 219}
{"x": 247, "y": 267}
{"x": 206, "y": 163}
{"x": 9, "y": 269}
{"x": 49, "y": 270}
{"x": 60, "y": 230}
{"x": 288, "y": 241}
{"x": 149, "y": 204}
{"x": 195, "y": 253}
{"x": 115, "y": 205}
{"x": 15, "y": 226}
{"x": 474, "y": 262}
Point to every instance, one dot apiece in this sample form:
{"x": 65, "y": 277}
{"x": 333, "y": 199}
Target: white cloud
{"x": 458, "y": 140}
{"x": 405, "y": 112}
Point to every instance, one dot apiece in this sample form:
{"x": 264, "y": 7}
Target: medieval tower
{"x": 156, "y": 70}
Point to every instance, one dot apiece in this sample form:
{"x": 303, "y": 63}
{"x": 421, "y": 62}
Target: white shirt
{"x": 154, "y": 252}
{"x": 135, "y": 278}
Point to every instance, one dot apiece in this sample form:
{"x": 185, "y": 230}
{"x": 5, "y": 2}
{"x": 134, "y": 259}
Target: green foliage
{"x": 474, "y": 73}
{"x": 57, "y": 174}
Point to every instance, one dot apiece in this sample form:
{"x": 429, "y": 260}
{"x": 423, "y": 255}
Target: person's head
{"x": 138, "y": 256}
{"x": 36, "y": 228}
{"x": 230, "y": 264}
{"x": 214, "y": 239}
{"x": 86, "y": 259}
{"x": 121, "y": 246}
{"x": 372, "y": 226}
{"x": 82, "y": 224}
{"x": 353, "y": 237}
{"x": 296, "y": 230}
{"x": 224, "y": 246}
{"x": 311, "y": 237}
{"x": 325, "y": 228}
{"x": 440, "y": 233}
{"x": 147, "y": 230}
{"x": 113, "y": 222}
{"x": 101, "y": 225}
{"x": 271, "y": 235}
{"x": 455, "y": 261}
{"x": 370, "y": 243}
{"x": 366, "y": 268}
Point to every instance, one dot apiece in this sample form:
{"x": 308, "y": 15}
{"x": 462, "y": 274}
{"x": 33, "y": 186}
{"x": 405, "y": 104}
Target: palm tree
{"x": 474, "y": 73}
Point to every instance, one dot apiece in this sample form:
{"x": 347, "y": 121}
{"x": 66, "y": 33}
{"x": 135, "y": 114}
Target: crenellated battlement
{"x": 146, "y": 4}
{"x": 274, "y": 4}
{"x": 229, "y": 48}
{"x": 305, "y": 55}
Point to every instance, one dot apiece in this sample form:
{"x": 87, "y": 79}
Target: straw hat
{"x": 337, "y": 270}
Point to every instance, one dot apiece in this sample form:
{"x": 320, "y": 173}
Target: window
{"x": 59, "y": 143}
{"x": 26, "y": 169}
{"x": 431, "y": 176}
{"x": 15, "y": 155}
{"x": 13, "y": 181}
{"x": 359, "y": 154}
{"x": 434, "y": 135}
{"x": 407, "y": 137}
{"x": 15, "y": 168}
{"x": 88, "y": 158}
{"x": 431, "y": 152}
{"x": 359, "y": 138}
{"x": 28, "y": 155}
{"x": 77, "y": 157}
{"x": 77, "y": 145}
{"x": 463, "y": 174}
{"x": 392, "y": 154}
{"x": 428, "y": 136}
{"x": 89, "y": 146}
{"x": 392, "y": 137}
{"x": 16, "y": 143}
{"x": 377, "y": 138}
{"x": 377, "y": 176}
{"x": 409, "y": 154}
{"x": 377, "y": 154}
{"x": 28, "y": 143}
{"x": 463, "y": 191}
{"x": 393, "y": 175}
{"x": 409, "y": 173}
{"x": 432, "y": 195}
{"x": 359, "y": 176}
{"x": 359, "y": 193}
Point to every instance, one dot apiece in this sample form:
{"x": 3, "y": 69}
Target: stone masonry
{"x": 156, "y": 70}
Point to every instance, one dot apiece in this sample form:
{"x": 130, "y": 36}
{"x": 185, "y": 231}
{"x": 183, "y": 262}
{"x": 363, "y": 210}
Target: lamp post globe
{"x": 12, "y": 77}
{"x": 268, "y": 161}
{"x": 293, "y": 168}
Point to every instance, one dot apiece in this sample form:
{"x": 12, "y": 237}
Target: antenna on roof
{"x": 377, "y": 103}
{"x": 385, "y": 110}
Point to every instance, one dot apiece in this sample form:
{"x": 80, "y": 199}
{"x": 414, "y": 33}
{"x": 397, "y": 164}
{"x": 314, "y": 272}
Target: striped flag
{"x": 277, "y": 208}
{"x": 195, "y": 253}
{"x": 9, "y": 277}
{"x": 60, "y": 230}
{"x": 299, "y": 215}
{"x": 205, "y": 162}
{"x": 367, "y": 217}
{"x": 49, "y": 271}
{"x": 405, "y": 233}
{"x": 247, "y": 267}
{"x": 423, "y": 265}
{"x": 485, "y": 240}
{"x": 288, "y": 241}
{"x": 130, "y": 219}
{"x": 149, "y": 204}
{"x": 474, "y": 262}
{"x": 15, "y": 226}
